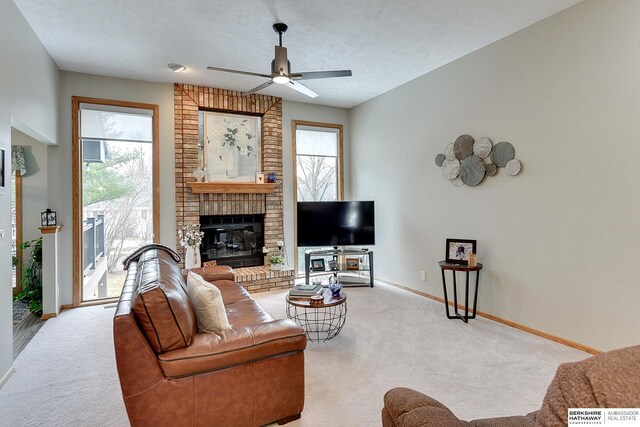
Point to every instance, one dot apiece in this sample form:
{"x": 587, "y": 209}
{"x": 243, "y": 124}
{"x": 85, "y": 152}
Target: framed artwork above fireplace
{"x": 231, "y": 146}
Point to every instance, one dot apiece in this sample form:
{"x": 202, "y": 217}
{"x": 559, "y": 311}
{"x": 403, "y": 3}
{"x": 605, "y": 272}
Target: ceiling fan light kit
{"x": 281, "y": 70}
{"x": 176, "y": 68}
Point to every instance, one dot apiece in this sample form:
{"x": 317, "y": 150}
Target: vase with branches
{"x": 190, "y": 239}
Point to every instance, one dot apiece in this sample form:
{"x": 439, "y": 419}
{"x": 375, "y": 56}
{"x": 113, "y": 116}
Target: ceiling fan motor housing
{"x": 280, "y": 65}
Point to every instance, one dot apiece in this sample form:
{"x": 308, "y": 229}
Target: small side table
{"x": 465, "y": 268}
{"x": 320, "y": 322}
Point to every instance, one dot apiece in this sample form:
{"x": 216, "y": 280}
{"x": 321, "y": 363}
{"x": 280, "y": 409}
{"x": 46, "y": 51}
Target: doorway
{"x": 116, "y": 197}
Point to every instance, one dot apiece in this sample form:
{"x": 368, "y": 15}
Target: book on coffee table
{"x": 305, "y": 292}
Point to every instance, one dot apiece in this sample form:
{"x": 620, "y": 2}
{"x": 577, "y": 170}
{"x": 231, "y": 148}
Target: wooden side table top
{"x": 459, "y": 267}
{"x": 329, "y": 300}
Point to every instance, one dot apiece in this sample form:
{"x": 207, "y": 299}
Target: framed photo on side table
{"x": 458, "y": 251}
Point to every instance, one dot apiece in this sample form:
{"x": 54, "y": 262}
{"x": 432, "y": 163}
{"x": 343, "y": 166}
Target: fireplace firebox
{"x": 233, "y": 240}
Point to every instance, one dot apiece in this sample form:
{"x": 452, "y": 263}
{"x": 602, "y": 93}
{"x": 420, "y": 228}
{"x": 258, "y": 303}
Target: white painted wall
{"x": 28, "y": 100}
{"x": 60, "y": 166}
{"x": 34, "y": 183}
{"x": 558, "y": 240}
{"x": 314, "y": 113}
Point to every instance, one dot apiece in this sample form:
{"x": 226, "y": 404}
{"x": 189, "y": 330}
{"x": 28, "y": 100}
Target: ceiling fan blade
{"x": 258, "y": 88}
{"x": 302, "y": 89}
{"x": 308, "y": 75}
{"x": 247, "y": 73}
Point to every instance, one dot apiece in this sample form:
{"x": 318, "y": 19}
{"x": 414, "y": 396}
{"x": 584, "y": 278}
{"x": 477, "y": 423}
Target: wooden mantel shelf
{"x": 230, "y": 187}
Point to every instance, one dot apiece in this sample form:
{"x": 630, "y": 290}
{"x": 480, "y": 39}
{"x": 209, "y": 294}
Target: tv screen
{"x": 336, "y": 224}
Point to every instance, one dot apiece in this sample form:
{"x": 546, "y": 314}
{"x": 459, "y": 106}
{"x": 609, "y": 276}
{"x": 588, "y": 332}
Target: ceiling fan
{"x": 281, "y": 70}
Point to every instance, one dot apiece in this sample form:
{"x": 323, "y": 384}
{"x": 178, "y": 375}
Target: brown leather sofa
{"x": 609, "y": 380}
{"x": 172, "y": 375}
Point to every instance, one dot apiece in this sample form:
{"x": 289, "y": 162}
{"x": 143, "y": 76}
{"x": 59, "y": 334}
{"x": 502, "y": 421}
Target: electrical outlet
{"x": 423, "y": 275}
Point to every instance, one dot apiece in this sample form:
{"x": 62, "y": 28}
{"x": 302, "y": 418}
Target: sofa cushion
{"x": 246, "y": 313}
{"x": 209, "y": 352}
{"x": 609, "y": 380}
{"x": 232, "y": 292}
{"x": 162, "y": 306}
{"x": 207, "y": 304}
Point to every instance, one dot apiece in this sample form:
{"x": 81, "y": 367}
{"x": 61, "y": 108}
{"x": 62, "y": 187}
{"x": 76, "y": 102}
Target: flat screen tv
{"x": 336, "y": 224}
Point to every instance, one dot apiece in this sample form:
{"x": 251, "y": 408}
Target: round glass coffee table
{"x": 323, "y": 321}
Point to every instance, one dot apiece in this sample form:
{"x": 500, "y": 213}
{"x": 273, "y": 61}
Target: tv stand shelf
{"x": 335, "y": 253}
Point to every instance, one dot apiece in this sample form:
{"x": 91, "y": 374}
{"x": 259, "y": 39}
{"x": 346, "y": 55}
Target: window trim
{"x": 77, "y": 182}
{"x": 340, "y": 166}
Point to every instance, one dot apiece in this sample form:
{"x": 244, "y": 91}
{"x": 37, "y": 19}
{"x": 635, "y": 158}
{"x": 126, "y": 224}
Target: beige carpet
{"x": 66, "y": 376}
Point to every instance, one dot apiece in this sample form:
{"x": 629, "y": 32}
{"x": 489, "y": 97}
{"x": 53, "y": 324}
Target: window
{"x": 317, "y": 149}
{"x": 116, "y": 154}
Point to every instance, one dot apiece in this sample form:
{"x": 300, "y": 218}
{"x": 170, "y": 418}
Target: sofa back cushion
{"x": 161, "y": 304}
{"x": 609, "y": 380}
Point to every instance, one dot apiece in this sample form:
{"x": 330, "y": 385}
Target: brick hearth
{"x": 188, "y": 100}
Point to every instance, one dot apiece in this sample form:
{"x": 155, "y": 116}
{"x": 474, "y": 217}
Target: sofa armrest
{"x": 210, "y": 352}
{"x": 211, "y": 274}
{"x": 410, "y": 408}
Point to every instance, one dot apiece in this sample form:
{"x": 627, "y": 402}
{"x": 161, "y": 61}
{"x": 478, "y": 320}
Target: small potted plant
{"x": 277, "y": 262}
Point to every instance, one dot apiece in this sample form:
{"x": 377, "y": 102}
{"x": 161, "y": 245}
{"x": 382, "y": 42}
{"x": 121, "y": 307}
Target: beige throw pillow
{"x": 207, "y": 303}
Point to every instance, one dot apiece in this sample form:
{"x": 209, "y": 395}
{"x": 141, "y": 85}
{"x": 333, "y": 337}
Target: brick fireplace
{"x": 188, "y": 100}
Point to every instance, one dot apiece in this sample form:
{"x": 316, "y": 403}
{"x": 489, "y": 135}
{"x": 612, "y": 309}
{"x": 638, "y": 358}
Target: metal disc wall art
{"x": 463, "y": 147}
{"x": 451, "y": 168}
{"x": 472, "y": 171}
{"x": 513, "y": 167}
{"x": 448, "y": 152}
{"x": 482, "y": 147}
{"x": 466, "y": 161}
{"x": 502, "y": 153}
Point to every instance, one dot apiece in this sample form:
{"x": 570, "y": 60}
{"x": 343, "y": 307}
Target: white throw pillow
{"x": 207, "y": 303}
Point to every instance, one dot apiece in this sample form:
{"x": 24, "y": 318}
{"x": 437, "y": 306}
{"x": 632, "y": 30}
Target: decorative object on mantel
{"x": 199, "y": 175}
{"x": 466, "y": 161}
{"x": 48, "y": 218}
{"x": 232, "y": 151}
{"x": 271, "y": 178}
{"x": 259, "y": 177}
{"x": 190, "y": 238}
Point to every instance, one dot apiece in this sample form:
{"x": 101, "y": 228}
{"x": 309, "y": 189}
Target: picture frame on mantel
{"x": 232, "y": 146}
{"x": 458, "y": 251}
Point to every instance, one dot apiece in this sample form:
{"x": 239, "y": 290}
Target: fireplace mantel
{"x": 230, "y": 187}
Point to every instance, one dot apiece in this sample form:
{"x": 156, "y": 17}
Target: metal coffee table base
{"x": 320, "y": 323}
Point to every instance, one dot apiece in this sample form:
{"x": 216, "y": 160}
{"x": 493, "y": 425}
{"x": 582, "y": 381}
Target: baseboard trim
{"x": 507, "y": 322}
{"x": 47, "y": 316}
{"x": 6, "y": 376}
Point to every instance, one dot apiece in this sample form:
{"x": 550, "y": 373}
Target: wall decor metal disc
{"x": 440, "y": 158}
{"x": 472, "y": 170}
{"x": 457, "y": 182}
{"x": 513, "y": 167}
{"x": 451, "y": 168}
{"x": 448, "y": 152}
{"x": 482, "y": 147}
{"x": 463, "y": 147}
{"x": 502, "y": 153}
{"x": 491, "y": 169}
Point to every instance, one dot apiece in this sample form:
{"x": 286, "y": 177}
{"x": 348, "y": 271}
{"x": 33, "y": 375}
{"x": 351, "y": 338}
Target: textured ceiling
{"x": 386, "y": 43}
